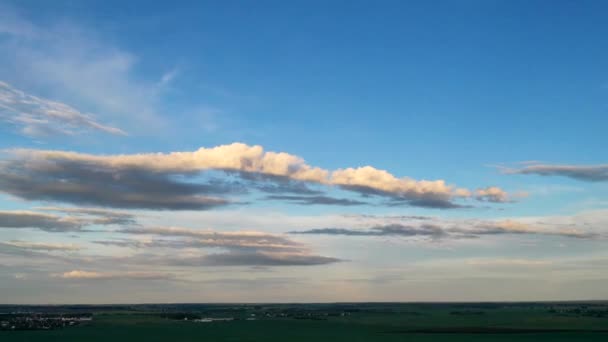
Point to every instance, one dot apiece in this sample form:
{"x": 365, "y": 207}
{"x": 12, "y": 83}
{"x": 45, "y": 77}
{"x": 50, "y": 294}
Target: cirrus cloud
{"x": 35, "y": 116}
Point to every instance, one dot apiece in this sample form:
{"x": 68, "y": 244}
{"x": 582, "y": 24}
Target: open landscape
{"x": 564, "y": 321}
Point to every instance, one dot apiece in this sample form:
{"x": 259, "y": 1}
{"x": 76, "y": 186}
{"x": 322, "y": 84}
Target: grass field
{"x": 364, "y": 322}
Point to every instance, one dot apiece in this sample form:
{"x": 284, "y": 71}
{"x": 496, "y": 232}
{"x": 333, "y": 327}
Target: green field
{"x": 355, "y": 322}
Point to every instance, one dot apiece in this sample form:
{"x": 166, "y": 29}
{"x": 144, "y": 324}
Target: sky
{"x": 303, "y": 151}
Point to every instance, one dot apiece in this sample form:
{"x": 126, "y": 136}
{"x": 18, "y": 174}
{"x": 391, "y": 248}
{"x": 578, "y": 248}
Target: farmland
{"x": 306, "y": 322}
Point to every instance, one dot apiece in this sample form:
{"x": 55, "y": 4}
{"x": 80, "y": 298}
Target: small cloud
{"x": 492, "y": 194}
{"x": 508, "y": 262}
{"x": 315, "y": 200}
{"x": 77, "y": 274}
{"x": 266, "y": 259}
{"x": 93, "y": 275}
{"x": 99, "y": 216}
{"x": 587, "y": 173}
{"x": 167, "y": 77}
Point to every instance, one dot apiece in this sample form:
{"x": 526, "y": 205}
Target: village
{"x": 37, "y": 321}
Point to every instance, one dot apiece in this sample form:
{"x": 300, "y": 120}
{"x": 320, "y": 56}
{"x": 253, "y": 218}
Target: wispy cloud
{"x": 493, "y": 262}
{"x": 266, "y": 259}
{"x": 243, "y": 248}
{"x": 95, "y": 215}
{"x": 315, "y": 200}
{"x": 387, "y": 230}
{"x": 36, "y": 117}
{"x": 455, "y": 229}
{"x": 168, "y": 77}
{"x": 94, "y": 275}
{"x": 47, "y": 222}
{"x": 79, "y": 218}
{"x": 232, "y": 240}
{"x": 588, "y": 173}
{"x": 43, "y": 246}
{"x": 230, "y": 258}
{"x": 80, "y": 64}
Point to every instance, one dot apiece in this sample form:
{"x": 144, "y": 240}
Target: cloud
{"x": 31, "y": 219}
{"x": 168, "y": 77}
{"x": 78, "y": 219}
{"x": 508, "y": 262}
{"x": 39, "y": 117}
{"x": 157, "y": 180}
{"x": 43, "y": 246}
{"x": 588, "y": 173}
{"x": 84, "y": 183}
{"x": 93, "y": 275}
{"x": 12, "y": 24}
{"x": 371, "y": 181}
{"x": 236, "y": 157}
{"x": 492, "y": 194}
{"x": 266, "y": 259}
{"x": 453, "y": 229}
{"x": 243, "y": 248}
{"x": 425, "y": 203}
{"x": 314, "y": 200}
{"x": 281, "y": 185}
{"x": 78, "y": 64}
{"x": 500, "y": 227}
{"x": 387, "y": 217}
{"x": 241, "y": 240}
{"x": 387, "y": 230}
{"x": 232, "y": 259}
{"x": 127, "y": 243}
{"x": 100, "y": 216}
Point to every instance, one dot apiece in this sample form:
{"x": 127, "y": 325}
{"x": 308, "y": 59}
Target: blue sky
{"x": 481, "y": 124}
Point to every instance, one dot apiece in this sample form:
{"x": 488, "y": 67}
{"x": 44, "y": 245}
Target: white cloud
{"x": 381, "y": 180}
{"x": 492, "y": 194}
{"x": 244, "y": 159}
